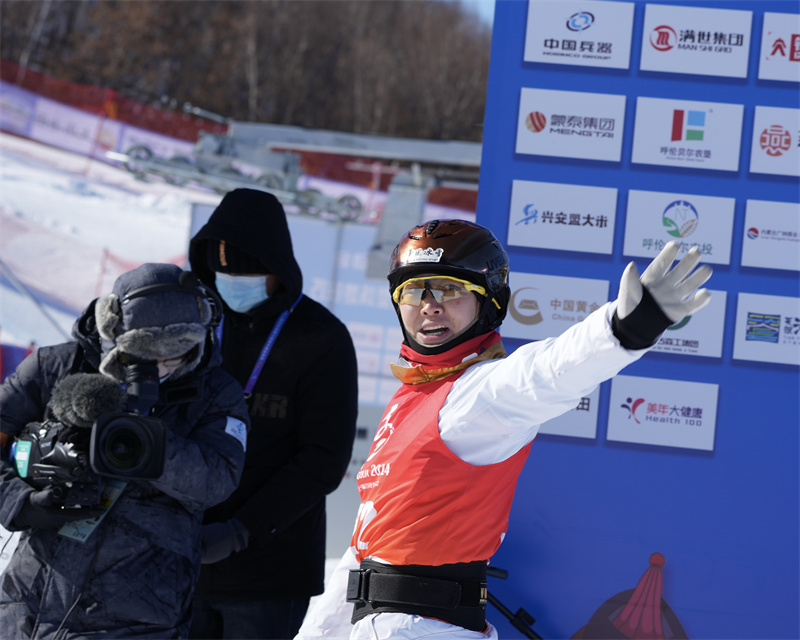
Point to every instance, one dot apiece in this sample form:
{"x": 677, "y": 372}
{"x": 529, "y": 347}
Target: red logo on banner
{"x": 663, "y": 38}
{"x": 779, "y": 48}
{"x": 775, "y": 140}
{"x": 535, "y": 121}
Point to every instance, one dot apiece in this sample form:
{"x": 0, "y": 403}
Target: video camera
{"x": 99, "y": 432}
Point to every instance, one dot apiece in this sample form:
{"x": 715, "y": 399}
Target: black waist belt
{"x": 455, "y": 593}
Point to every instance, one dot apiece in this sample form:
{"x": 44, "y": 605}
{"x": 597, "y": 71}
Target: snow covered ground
{"x": 69, "y": 227}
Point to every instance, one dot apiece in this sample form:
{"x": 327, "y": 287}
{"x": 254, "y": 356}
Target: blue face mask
{"x": 242, "y": 293}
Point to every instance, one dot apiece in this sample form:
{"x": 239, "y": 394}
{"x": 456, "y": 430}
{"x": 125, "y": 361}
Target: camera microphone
{"x": 79, "y": 399}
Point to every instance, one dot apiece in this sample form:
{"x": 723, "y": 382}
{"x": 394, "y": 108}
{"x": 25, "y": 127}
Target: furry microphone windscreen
{"x": 80, "y": 398}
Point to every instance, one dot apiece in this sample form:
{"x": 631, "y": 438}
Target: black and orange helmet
{"x": 460, "y": 249}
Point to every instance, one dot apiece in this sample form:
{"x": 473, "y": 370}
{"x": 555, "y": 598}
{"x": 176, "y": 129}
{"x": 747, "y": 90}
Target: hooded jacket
{"x": 303, "y": 411}
{"x": 134, "y": 576}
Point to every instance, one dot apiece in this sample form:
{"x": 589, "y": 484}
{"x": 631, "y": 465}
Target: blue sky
{"x": 484, "y": 8}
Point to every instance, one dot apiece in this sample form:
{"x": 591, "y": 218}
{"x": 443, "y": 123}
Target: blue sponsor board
{"x": 714, "y": 526}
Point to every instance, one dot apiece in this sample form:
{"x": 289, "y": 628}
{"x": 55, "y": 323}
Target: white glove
{"x": 676, "y": 292}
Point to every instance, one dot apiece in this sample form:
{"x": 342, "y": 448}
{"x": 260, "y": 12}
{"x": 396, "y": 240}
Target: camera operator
{"x": 131, "y": 569}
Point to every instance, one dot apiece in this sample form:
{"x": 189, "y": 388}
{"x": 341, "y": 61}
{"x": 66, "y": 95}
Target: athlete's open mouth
{"x": 434, "y": 331}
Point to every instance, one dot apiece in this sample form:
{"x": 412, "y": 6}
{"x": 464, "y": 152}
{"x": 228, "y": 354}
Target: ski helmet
{"x": 460, "y": 249}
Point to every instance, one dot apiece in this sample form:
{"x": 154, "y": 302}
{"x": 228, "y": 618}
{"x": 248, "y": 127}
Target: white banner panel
{"x": 700, "y": 334}
{"x": 73, "y": 129}
{"x": 17, "y": 107}
{"x": 666, "y": 413}
{"x": 683, "y": 133}
{"x": 570, "y": 124}
{"x": 591, "y": 35}
{"x": 772, "y": 235}
{"x": 567, "y": 217}
{"x": 545, "y": 306}
{"x": 767, "y": 329}
{"x": 709, "y": 42}
{"x": 654, "y": 218}
{"x": 580, "y": 422}
{"x": 780, "y": 47}
{"x": 774, "y": 149}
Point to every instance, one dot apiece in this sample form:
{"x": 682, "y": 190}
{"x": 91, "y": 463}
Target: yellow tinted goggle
{"x": 442, "y": 288}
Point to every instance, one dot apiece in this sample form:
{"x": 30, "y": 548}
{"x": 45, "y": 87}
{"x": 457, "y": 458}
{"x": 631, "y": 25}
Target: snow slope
{"x": 69, "y": 227}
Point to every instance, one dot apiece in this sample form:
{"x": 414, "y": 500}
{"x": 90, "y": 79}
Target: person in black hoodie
{"x": 264, "y": 547}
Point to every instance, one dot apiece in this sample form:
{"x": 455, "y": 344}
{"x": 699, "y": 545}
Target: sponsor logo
{"x": 680, "y": 219}
{"x": 633, "y": 406}
{"x": 535, "y": 121}
{"x": 791, "y": 330}
{"x": 524, "y": 307}
{"x": 775, "y": 140}
{"x": 688, "y": 125}
{"x": 424, "y": 255}
{"x": 571, "y": 125}
{"x": 663, "y": 38}
{"x": 531, "y": 215}
{"x": 599, "y": 36}
{"x": 773, "y": 328}
{"x": 763, "y": 327}
{"x": 780, "y": 49}
{"x": 641, "y": 410}
{"x": 767, "y": 329}
{"x": 585, "y": 49}
{"x": 784, "y": 235}
{"x": 580, "y": 21}
{"x": 699, "y": 134}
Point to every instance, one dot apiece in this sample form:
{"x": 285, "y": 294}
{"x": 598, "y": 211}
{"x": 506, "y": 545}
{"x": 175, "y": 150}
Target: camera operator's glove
{"x": 648, "y": 305}
{"x": 42, "y": 512}
{"x": 221, "y": 539}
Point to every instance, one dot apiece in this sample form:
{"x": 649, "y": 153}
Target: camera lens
{"x": 126, "y": 447}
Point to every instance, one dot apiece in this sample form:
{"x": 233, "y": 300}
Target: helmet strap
{"x": 480, "y": 325}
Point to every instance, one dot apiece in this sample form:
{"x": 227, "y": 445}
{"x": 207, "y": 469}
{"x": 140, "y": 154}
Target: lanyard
{"x": 270, "y": 342}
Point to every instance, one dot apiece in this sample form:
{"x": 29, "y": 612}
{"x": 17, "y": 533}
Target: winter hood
{"x": 254, "y": 222}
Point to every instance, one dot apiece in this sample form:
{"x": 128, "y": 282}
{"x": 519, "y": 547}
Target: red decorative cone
{"x": 641, "y": 617}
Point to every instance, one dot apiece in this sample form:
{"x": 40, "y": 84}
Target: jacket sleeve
{"x": 327, "y": 407}
{"x": 496, "y": 408}
{"x": 204, "y": 468}
{"x": 23, "y": 397}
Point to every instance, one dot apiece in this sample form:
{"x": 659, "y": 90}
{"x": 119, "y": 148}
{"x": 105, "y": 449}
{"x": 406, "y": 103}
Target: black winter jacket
{"x": 134, "y": 576}
{"x": 303, "y": 413}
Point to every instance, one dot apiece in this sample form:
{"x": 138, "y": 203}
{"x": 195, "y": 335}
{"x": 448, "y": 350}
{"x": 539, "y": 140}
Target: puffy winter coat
{"x": 135, "y": 575}
{"x": 303, "y": 412}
